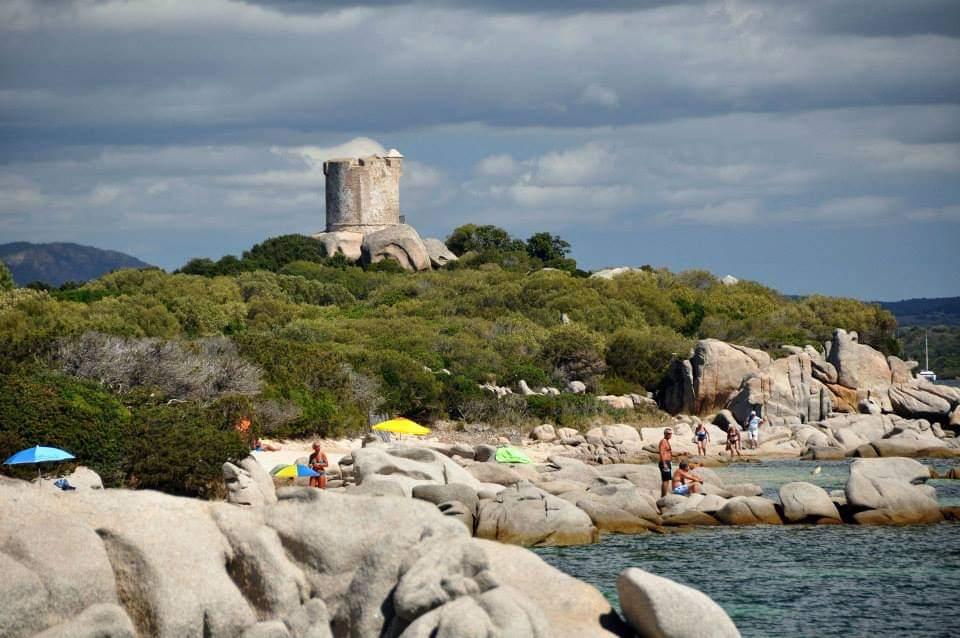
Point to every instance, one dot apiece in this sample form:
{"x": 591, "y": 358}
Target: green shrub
{"x": 535, "y": 376}
{"x": 180, "y": 449}
{"x": 38, "y": 407}
{"x": 573, "y": 354}
{"x": 408, "y": 389}
{"x": 567, "y": 410}
{"x": 276, "y": 252}
{"x": 643, "y": 356}
{"x": 6, "y": 277}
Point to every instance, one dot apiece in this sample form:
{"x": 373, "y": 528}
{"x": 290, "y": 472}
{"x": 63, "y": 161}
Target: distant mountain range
{"x": 57, "y": 263}
{"x": 942, "y": 311}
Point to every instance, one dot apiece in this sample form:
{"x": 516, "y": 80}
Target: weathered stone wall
{"x": 363, "y": 195}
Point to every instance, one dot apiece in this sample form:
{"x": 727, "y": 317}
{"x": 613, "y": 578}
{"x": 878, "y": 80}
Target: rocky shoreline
{"x": 566, "y": 501}
{"x": 402, "y": 544}
{"x": 307, "y": 564}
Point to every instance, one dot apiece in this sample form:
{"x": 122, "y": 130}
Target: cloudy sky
{"x": 813, "y": 146}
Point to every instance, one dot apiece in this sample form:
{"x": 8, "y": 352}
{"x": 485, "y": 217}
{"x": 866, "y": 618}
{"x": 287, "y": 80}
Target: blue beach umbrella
{"x": 38, "y": 454}
{"x": 292, "y": 471}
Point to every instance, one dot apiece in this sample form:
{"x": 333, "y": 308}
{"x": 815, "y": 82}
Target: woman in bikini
{"x": 318, "y": 463}
{"x": 702, "y": 437}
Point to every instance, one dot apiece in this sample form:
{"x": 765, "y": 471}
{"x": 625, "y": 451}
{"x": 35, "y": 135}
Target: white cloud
{"x": 587, "y": 197}
{"x": 721, "y": 213}
{"x": 315, "y": 156}
{"x": 103, "y": 194}
{"x": 307, "y": 164}
{"x": 588, "y": 163}
{"x": 158, "y": 188}
{"x": 858, "y": 209}
{"x": 417, "y": 175}
{"x": 598, "y": 95}
{"x": 900, "y": 156}
{"x": 943, "y": 214}
{"x": 502, "y": 165}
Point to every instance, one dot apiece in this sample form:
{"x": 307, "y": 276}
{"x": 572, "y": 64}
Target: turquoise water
{"x": 799, "y": 580}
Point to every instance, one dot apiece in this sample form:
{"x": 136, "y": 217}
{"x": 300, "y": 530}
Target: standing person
{"x": 685, "y": 482}
{"x": 666, "y": 462}
{"x": 733, "y": 439}
{"x": 753, "y": 430}
{"x": 318, "y": 463}
{"x": 702, "y": 437}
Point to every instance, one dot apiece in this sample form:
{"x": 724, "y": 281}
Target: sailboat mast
{"x": 926, "y": 350}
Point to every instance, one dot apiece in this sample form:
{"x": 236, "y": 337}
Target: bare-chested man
{"x": 666, "y": 459}
{"x": 685, "y": 482}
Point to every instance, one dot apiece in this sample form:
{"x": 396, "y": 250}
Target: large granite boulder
{"x": 494, "y": 473}
{"x": 822, "y": 370}
{"x": 345, "y": 242}
{"x": 748, "y": 510}
{"x": 408, "y": 467}
{"x": 562, "y": 467}
{"x": 923, "y": 400}
{"x": 893, "y": 486}
{"x": 616, "y": 434}
{"x": 96, "y": 621}
{"x": 571, "y": 607}
{"x": 705, "y": 382}
{"x": 526, "y": 515}
{"x": 544, "y": 433}
{"x": 618, "y": 494}
{"x": 660, "y": 608}
{"x": 314, "y": 564}
{"x": 901, "y": 371}
{"x": 858, "y": 365}
{"x": 248, "y": 483}
{"x": 786, "y": 391}
{"x": 400, "y": 243}
{"x": 804, "y": 502}
{"x": 439, "y": 494}
{"x": 849, "y": 431}
{"x": 439, "y": 254}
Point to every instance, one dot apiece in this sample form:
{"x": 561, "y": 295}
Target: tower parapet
{"x": 363, "y": 195}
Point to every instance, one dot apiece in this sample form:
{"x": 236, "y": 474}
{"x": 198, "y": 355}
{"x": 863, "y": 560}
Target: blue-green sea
{"x": 800, "y": 580}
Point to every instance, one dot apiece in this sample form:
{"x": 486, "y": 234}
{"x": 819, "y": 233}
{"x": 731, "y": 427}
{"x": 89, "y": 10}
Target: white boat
{"x": 927, "y": 373}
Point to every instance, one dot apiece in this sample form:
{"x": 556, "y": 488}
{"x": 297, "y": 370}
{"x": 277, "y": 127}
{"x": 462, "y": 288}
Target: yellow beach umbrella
{"x": 401, "y": 425}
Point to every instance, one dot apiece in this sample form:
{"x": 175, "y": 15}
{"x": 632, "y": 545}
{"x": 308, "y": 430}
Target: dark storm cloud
{"x": 863, "y": 17}
{"x": 887, "y": 17}
{"x": 512, "y": 6}
{"x": 121, "y": 123}
{"x": 136, "y": 72}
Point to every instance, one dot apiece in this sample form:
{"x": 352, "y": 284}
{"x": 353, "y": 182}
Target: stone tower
{"x": 363, "y": 195}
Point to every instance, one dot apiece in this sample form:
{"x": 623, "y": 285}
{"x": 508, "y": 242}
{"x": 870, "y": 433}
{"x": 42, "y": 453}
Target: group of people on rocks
{"x": 683, "y": 481}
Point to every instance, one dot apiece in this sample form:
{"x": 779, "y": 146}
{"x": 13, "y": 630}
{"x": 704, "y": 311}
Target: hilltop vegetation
{"x": 57, "y": 263}
{"x": 305, "y": 344}
{"x": 943, "y": 311}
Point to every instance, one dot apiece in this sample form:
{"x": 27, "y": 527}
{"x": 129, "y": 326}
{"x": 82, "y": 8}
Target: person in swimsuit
{"x": 753, "y": 430}
{"x": 666, "y": 462}
{"x": 684, "y": 481}
{"x": 733, "y": 439}
{"x": 318, "y": 463}
{"x": 702, "y": 437}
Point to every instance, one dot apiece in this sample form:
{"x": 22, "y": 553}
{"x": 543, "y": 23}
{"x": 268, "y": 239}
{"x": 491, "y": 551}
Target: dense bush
{"x": 38, "y": 407}
{"x": 643, "y": 355}
{"x": 567, "y": 410}
{"x": 177, "y": 448}
{"x": 573, "y": 353}
{"x": 180, "y": 449}
{"x": 6, "y": 277}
